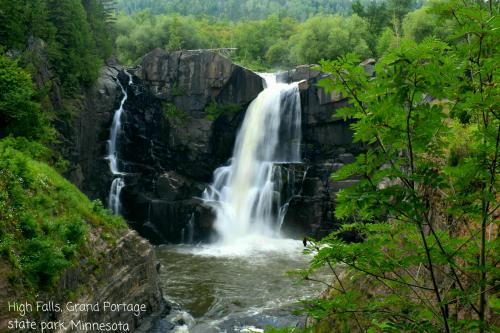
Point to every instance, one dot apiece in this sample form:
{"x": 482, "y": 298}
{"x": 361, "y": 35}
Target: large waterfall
{"x": 116, "y": 127}
{"x": 246, "y": 194}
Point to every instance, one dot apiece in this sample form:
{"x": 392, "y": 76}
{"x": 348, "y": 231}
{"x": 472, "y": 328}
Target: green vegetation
{"x": 171, "y": 111}
{"x": 427, "y": 202}
{"x": 74, "y": 34}
{"x": 45, "y": 221}
{"x": 215, "y": 110}
{"x": 278, "y": 39}
{"x": 20, "y": 114}
{"x": 238, "y": 10}
{"x": 49, "y": 52}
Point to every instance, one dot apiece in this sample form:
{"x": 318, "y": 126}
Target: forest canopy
{"x": 265, "y": 38}
{"x": 237, "y": 10}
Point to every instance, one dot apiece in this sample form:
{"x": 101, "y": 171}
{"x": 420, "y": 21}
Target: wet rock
{"x": 170, "y": 144}
{"x": 192, "y": 79}
{"x": 299, "y": 73}
{"x": 85, "y": 135}
{"x": 347, "y": 158}
{"x": 171, "y": 186}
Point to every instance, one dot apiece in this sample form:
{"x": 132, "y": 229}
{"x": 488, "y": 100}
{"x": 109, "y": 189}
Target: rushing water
{"x": 116, "y": 127}
{"x": 240, "y": 283}
{"x": 245, "y": 195}
{"x": 232, "y": 287}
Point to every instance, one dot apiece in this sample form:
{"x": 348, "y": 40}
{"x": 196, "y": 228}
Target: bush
{"x": 20, "y": 115}
{"x": 44, "y": 220}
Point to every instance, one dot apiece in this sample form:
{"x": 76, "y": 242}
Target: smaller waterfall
{"x": 190, "y": 227}
{"x": 114, "y": 194}
{"x": 116, "y": 127}
{"x": 190, "y": 231}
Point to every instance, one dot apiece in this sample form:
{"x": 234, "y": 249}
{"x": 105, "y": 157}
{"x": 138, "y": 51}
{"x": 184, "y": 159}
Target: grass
{"x": 45, "y": 221}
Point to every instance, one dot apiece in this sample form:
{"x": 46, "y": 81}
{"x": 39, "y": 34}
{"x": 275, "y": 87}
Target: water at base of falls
{"x": 240, "y": 283}
{"x": 246, "y": 195}
{"x": 116, "y": 127}
{"x": 230, "y": 288}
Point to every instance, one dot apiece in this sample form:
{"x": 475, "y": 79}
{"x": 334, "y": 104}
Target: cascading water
{"x": 116, "y": 127}
{"x": 246, "y": 195}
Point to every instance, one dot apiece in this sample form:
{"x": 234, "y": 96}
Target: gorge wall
{"x": 180, "y": 122}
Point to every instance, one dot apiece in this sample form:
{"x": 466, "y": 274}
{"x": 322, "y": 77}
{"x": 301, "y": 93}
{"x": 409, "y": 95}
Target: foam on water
{"x": 251, "y": 247}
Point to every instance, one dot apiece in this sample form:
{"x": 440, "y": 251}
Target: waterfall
{"x": 246, "y": 194}
{"x": 116, "y": 127}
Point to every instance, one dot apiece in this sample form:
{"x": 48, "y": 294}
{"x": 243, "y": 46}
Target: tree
{"x": 74, "y": 50}
{"x": 20, "y": 115}
{"x": 399, "y": 8}
{"x": 427, "y": 201}
{"x": 328, "y": 37}
{"x": 420, "y": 24}
{"x": 99, "y": 20}
{"x": 377, "y": 17}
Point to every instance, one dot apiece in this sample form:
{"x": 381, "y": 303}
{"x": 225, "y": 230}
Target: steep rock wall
{"x": 179, "y": 125}
{"x": 327, "y": 145}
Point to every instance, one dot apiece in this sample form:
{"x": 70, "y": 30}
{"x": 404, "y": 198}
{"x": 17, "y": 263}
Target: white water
{"x": 116, "y": 127}
{"x": 246, "y": 194}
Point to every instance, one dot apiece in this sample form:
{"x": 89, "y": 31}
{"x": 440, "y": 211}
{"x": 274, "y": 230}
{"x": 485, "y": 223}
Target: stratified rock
{"x": 128, "y": 275}
{"x": 193, "y": 79}
{"x": 327, "y": 145}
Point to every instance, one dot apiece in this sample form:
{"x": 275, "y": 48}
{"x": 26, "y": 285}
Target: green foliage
{"x": 254, "y": 40}
{"x": 172, "y": 112}
{"x": 277, "y": 40}
{"x": 99, "y": 25}
{"x": 75, "y": 37}
{"x": 44, "y": 220}
{"x": 74, "y": 49}
{"x": 386, "y": 42}
{"x": 238, "y": 10}
{"x": 420, "y": 24}
{"x": 426, "y": 204}
{"x": 20, "y": 114}
{"x": 376, "y": 15}
{"x": 215, "y": 110}
{"x": 141, "y": 33}
{"x": 328, "y": 37}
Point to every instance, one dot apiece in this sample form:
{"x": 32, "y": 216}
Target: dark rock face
{"x": 172, "y": 141}
{"x": 326, "y": 146}
{"x": 170, "y": 145}
{"x": 87, "y": 134}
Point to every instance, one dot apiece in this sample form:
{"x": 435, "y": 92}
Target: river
{"x": 239, "y": 287}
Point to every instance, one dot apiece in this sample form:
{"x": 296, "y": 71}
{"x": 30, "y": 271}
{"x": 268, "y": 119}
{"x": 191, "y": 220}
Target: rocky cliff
{"x": 326, "y": 146}
{"x": 85, "y": 135}
{"x": 180, "y": 124}
{"x": 123, "y": 273}
{"x": 127, "y": 274}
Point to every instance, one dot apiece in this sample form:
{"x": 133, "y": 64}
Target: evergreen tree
{"x": 20, "y": 114}
{"x": 75, "y": 50}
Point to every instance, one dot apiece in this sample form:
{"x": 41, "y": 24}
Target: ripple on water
{"x": 238, "y": 284}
